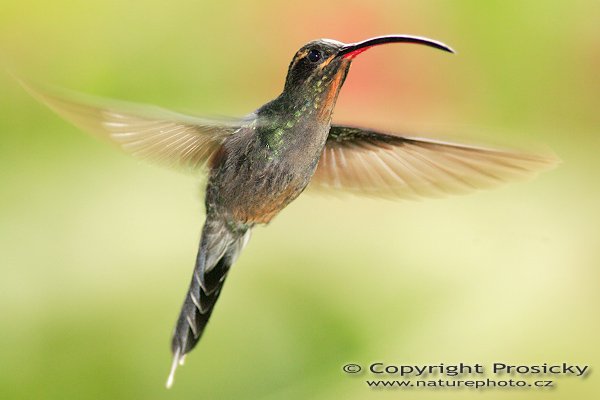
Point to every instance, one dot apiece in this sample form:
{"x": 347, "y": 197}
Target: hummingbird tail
{"x": 219, "y": 248}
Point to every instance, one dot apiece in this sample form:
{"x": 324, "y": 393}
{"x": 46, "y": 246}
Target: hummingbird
{"x": 258, "y": 164}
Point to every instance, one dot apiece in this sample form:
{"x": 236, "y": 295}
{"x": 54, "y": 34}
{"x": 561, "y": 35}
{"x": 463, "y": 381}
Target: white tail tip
{"x": 177, "y": 360}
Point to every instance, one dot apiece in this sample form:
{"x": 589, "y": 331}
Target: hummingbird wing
{"x": 372, "y": 163}
{"x": 145, "y": 131}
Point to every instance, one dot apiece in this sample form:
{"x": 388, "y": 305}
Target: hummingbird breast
{"x": 250, "y": 182}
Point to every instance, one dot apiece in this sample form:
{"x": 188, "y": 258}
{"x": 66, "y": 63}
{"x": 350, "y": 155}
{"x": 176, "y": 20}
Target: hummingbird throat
{"x": 307, "y": 106}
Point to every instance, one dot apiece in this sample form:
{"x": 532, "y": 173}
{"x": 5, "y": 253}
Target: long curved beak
{"x": 353, "y": 49}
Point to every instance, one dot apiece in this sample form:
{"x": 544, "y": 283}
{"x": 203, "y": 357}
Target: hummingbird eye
{"x": 314, "y": 55}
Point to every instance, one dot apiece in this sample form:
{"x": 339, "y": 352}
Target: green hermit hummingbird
{"x": 260, "y": 163}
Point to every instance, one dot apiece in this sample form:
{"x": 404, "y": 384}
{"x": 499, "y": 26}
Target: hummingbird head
{"x": 319, "y": 68}
{"x": 316, "y": 65}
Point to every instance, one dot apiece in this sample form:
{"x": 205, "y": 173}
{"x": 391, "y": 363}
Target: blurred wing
{"x": 372, "y": 163}
{"x": 145, "y": 131}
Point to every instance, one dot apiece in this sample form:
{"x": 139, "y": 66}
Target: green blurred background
{"x": 96, "y": 248}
